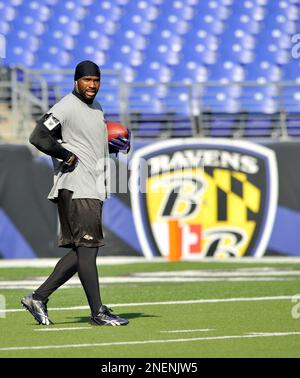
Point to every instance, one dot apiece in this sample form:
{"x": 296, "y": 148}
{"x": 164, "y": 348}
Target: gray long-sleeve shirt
{"x": 84, "y": 133}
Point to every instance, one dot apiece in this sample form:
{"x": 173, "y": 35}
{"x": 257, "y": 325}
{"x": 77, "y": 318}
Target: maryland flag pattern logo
{"x": 194, "y": 198}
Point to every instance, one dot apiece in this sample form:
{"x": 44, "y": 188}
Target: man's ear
{"x": 76, "y": 86}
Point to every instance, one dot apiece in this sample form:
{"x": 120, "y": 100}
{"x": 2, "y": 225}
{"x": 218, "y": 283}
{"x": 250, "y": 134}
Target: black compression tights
{"x": 81, "y": 260}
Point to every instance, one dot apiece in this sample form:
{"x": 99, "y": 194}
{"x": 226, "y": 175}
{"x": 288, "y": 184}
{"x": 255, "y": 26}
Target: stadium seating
{"x": 164, "y": 41}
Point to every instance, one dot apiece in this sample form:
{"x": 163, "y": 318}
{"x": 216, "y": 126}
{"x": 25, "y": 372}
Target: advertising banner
{"x": 178, "y": 198}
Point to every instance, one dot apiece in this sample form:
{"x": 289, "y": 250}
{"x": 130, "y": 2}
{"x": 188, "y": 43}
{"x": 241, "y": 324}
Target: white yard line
{"x": 84, "y": 328}
{"x": 51, "y": 262}
{"x": 61, "y": 329}
{"x": 193, "y": 301}
{"x": 261, "y": 274}
{"x": 188, "y": 330}
{"x": 108, "y": 260}
{"x": 219, "y": 273}
{"x": 32, "y": 285}
{"x": 145, "y": 342}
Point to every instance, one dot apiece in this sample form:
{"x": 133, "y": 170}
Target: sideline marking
{"x": 134, "y": 281}
{"x": 60, "y": 329}
{"x": 188, "y": 330}
{"x": 264, "y": 274}
{"x": 141, "y": 342}
{"x": 194, "y": 301}
{"x": 80, "y": 328}
{"x": 15, "y": 285}
{"x": 108, "y": 260}
{"x": 51, "y": 262}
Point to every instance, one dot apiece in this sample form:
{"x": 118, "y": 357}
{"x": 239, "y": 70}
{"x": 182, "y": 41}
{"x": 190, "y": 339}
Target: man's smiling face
{"x": 88, "y": 86}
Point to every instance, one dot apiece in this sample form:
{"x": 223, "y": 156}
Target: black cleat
{"x": 106, "y": 318}
{"x": 38, "y": 309}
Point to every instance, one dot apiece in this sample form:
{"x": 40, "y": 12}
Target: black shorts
{"x": 80, "y": 221}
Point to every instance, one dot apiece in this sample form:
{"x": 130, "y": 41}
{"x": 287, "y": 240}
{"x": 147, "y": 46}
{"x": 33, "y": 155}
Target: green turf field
{"x": 181, "y": 309}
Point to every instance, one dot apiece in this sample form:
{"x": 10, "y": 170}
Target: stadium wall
{"x": 245, "y": 204}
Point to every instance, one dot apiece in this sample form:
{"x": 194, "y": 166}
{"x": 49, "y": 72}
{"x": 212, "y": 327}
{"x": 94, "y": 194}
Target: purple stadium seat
{"x": 226, "y": 71}
{"x": 178, "y": 8}
{"x": 293, "y": 126}
{"x": 216, "y": 99}
{"x": 7, "y": 13}
{"x": 263, "y": 71}
{"x": 291, "y": 98}
{"x": 30, "y": 25}
{"x": 4, "y": 27}
{"x": 57, "y": 38}
{"x": 52, "y": 57}
{"x": 93, "y": 40}
{"x": 35, "y": 9}
{"x": 190, "y": 72}
{"x": 212, "y": 8}
{"x": 291, "y": 71}
{"x": 126, "y": 55}
{"x": 130, "y": 38}
{"x": 70, "y": 9}
{"x": 154, "y": 72}
{"x": 173, "y": 23}
{"x": 285, "y": 8}
{"x": 207, "y": 22}
{"x": 221, "y": 127}
{"x": 193, "y": 41}
{"x": 200, "y": 53}
{"x": 244, "y": 22}
{"x": 108, "y": 9}
{"x": 258, "y": 128}
{"x": 258, "y": 103}
{"x": 20, "y": 56}
{"x": 88, "y": 53}
{"x": 146, "y": 10}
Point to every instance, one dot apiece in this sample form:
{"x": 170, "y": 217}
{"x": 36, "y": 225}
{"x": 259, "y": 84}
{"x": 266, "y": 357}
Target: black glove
{"x": 120, "y": 143}
{"x": 70, "y": 163}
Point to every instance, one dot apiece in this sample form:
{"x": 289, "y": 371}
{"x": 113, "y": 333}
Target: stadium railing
{"x": 20, "y": 103}
{"x": 157, "y": 110}
{"x": 26, "y": 94}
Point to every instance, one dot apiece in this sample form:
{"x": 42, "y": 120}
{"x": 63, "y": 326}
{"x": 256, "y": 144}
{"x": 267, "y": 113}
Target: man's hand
{"x": 120, "y": 143}
{"x": 70, "y": 163}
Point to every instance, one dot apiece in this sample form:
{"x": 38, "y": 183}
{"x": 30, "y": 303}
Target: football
{"x": 115, "y": 129}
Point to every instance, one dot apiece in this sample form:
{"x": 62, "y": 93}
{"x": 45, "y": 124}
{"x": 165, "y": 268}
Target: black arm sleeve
{"x": 45, "y": 141}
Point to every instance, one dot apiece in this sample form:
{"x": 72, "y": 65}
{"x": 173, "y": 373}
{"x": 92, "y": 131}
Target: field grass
{"x": 184, "y": 309}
